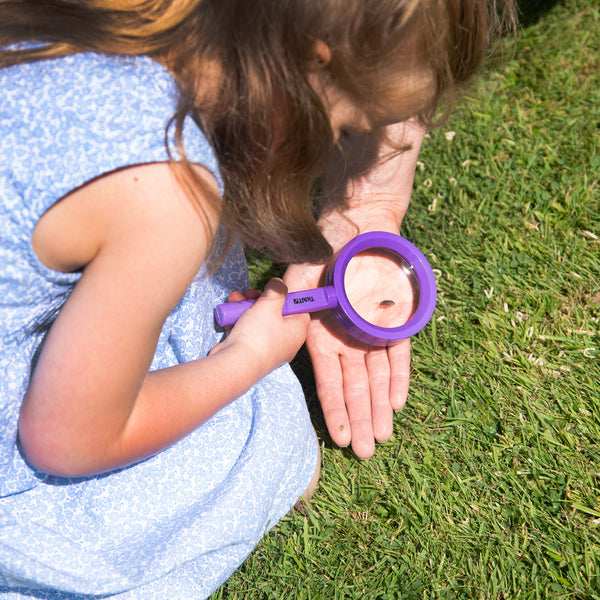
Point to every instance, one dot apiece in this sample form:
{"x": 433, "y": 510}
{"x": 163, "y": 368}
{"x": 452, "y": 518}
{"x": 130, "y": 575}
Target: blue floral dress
{"x": 179, "y": 523}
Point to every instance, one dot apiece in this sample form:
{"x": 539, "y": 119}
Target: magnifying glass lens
{"x": 388, "y": 294}
{"x": 380, "y": 289}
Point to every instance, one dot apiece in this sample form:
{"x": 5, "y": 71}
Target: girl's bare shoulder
{"x": 143, "y": 209}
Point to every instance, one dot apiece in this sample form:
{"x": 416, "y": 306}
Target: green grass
{"x": 490, "y": 487}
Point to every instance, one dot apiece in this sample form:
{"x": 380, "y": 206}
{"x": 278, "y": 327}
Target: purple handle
{"x": 334, "y": 296}
{"x": 295, "y": 302}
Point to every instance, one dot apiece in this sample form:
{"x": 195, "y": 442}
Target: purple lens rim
{"x": 351, "y": 321}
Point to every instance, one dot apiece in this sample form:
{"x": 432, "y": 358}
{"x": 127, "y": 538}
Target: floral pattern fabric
{"x": 175, "y": 525}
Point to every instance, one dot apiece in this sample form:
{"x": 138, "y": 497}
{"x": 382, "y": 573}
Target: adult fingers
{"x": 399, "y": 360}
{"x": 357, "y": 396}
{"x": 330, "y": 389}
{"x": 378, "y": 368}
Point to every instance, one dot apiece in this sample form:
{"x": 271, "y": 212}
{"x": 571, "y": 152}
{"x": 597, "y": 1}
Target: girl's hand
{"x": 267, "y": 336}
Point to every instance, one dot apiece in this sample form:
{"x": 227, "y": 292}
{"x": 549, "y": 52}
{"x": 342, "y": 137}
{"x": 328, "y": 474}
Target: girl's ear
{"x": 323, "y": 53}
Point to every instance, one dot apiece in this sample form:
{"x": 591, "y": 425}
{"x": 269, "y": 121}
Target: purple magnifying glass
{"x": 364, "y": 313}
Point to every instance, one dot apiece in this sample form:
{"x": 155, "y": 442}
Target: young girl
{"x": 144, "y": 453}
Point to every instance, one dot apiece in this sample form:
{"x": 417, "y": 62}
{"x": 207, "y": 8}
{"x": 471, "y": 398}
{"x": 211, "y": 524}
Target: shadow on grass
{"x": 530, "y": 11}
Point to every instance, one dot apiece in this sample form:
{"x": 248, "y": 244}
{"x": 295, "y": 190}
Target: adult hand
{"x": 359, "y": 386}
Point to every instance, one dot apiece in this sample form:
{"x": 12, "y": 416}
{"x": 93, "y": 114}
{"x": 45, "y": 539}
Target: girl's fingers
{"x": 247, "y": 295}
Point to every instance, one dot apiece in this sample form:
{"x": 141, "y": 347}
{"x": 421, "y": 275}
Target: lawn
{"x": 490, "y": 486}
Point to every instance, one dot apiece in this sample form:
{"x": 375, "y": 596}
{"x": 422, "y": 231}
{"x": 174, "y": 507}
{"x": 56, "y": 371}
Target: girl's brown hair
{"x": 270, "y": 130}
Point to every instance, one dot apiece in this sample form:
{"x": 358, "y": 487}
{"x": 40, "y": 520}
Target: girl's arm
{"x": 360, "y": 386}
{"x": 92, "y": 405}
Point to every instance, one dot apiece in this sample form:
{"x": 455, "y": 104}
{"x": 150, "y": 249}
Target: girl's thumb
{"x": 275, "y": 287}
